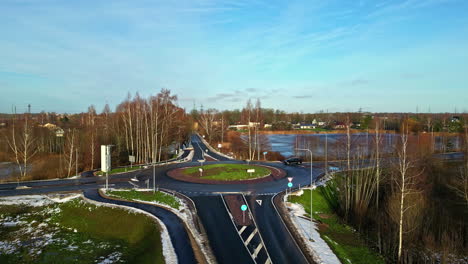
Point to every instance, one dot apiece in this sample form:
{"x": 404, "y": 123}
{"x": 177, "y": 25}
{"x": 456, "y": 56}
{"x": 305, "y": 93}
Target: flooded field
{"x": 335, "y": 144}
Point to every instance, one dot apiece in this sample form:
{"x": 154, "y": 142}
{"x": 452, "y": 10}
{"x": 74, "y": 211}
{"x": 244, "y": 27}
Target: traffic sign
{"x": 200, "y": 169}
{"x": 250, "y": 170}
{"x": 243, "y": 207}
{"x": 290, "y": 179}
{"x": 290, "y": 184}
{"x": 259, "y": 202}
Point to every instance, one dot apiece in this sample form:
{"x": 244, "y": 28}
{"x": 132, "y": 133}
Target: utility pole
{"x": 222, "y": 129}
{"x": 76, "y": 161}
{"x": 326, "y": 154}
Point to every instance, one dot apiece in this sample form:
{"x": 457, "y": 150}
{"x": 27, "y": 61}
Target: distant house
{"x": 254, "y": 124}
{"x": 238, "y": 127}
{"x": 318, "y": 123}
{"x": 50, "y": 126}
{"x": 339, "y": 125}
{"x": 455, "y": 119}
{"x": 307, "y": 126}
{"x": 59, "y": 132}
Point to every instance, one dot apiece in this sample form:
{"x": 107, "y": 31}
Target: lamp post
{"x": 311, "y": 189}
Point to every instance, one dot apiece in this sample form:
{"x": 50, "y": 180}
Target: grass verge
{"x": 77, "y": 232}
{"x": 133, "y": 195}
{"x": 227, "y": 172}
{"x": 341, "y": 238}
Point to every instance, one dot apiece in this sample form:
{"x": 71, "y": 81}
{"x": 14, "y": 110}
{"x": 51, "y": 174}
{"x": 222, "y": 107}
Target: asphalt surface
{"x": 174, "y": 225}
{"x": 279, "y": 242}
{"x": 226, "y": 244}
{"x": 223, "y": 237}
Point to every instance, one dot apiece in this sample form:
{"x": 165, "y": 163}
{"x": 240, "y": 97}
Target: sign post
{"x": 131, "y": 158}
{"x": 290, "y": 185}
{"x": 201, "y": 172}
{"x": 106, "y": 161}
{"x": 264, "y": 155}
{"x": 201, "y": 162}
{"x": 250, "y": 171}
{"x": 243, "y": 208}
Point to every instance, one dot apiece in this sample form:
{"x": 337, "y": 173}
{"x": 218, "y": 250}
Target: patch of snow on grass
{"x": 320, "y": 250}
{"x": 112, "y": 258}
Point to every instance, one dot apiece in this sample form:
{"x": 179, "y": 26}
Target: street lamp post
{"x": 311, "y": 189}
{"x": 154, "y": 177}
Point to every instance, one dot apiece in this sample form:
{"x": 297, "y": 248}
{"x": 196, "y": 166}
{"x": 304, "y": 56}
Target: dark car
{"x": 292, "y": 161}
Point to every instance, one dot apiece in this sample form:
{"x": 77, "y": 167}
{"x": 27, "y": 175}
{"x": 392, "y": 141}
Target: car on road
{"x": 292, "y": 161}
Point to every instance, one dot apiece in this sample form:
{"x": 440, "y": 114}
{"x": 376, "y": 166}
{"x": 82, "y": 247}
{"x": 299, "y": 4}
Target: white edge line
{"x": 285, "y": 226}
{"x": 234, "y": 225}
{"x": 256, "y": 226}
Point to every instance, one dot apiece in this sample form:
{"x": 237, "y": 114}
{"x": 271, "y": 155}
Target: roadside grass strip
{"x": 341, "y": 238}
{"x": 157, "y": 197}
{"x": 119, "y": 170}
{"x": 42, "y": 230}
{"x": 227, "y": 172}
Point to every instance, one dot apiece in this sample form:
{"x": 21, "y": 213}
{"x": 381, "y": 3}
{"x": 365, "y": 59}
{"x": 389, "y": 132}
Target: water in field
{"x": 335, "y": 144}
{"x": 7, "y": 169}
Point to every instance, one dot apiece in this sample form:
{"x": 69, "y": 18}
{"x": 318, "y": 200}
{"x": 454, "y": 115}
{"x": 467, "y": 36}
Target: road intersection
{"x": 208, "y": 198}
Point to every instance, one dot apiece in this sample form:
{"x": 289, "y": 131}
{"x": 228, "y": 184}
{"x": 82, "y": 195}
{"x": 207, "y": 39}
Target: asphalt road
{"x": 224, "y": 240}
{"x": 279, "y": 242}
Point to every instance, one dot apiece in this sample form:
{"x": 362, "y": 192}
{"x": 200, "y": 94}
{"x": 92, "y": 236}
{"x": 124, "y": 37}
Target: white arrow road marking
{"x": 259, "y": 202}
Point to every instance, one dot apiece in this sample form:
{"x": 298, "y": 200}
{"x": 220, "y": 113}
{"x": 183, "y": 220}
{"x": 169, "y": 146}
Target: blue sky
{"x": 392, "y": 55}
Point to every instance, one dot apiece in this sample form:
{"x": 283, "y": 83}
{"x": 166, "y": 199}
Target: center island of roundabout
{"x": 227, "y": 173}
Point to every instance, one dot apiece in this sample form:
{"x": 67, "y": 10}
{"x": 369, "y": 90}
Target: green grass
{"x": 227, "y": 172}
{"x": 100, "y": 232}
{"x": 149, "y": 196}
{"x": 341, "y": 238}
{"x": 118, "y": 170}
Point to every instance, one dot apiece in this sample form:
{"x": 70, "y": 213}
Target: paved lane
{"x": 224, "y": 239}
{"x": 280, "y": 244}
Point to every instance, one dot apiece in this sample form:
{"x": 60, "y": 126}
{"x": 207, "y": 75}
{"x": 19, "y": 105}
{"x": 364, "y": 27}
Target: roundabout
{"x": 227, "y": 173}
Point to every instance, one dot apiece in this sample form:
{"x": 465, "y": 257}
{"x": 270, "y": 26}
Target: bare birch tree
{"x": 23, "y": 146}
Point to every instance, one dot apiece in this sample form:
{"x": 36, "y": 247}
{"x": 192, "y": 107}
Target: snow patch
{"x": 308, "y": 230}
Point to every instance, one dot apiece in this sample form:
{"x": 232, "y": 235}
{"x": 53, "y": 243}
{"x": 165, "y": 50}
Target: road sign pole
{"x": 107, "y": 180}
{"x": 243, "y": 217}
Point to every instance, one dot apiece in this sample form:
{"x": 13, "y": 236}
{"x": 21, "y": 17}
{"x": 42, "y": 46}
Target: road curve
{"x": 175, "y": 227}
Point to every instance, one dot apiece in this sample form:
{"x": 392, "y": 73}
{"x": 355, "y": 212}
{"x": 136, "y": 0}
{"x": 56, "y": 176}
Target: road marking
{"x": 251, "y": 236}
{"x": 268, "y": 261}
{"x": 242, "y": 230}
{"x": 257, "y": 250}
{"x": 259, "y": 202}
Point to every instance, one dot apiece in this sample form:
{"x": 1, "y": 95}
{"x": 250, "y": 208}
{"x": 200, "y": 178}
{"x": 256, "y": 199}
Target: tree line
{"x": 48, "y": 145}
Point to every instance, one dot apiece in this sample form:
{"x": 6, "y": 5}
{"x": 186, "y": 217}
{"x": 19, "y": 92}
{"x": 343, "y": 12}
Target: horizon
{"x": 300, "y": 56}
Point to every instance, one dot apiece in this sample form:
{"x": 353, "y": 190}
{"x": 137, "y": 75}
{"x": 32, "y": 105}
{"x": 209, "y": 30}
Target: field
{"x": 76, "y": 232}
{"x": 341, "y": 238}
{"x": 149, "y": 196}
{"x": 227, "y": 172}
